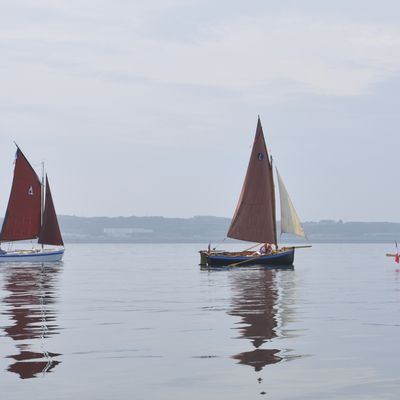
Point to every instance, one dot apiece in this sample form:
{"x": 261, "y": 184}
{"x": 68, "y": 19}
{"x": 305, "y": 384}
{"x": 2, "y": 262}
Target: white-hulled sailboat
{"x": 255, "y": 216}
{"x": 30, "y": 215}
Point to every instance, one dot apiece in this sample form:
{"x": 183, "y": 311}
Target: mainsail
{"x": 22, "y": 219}
{"x": 50, "y": 233}
{"x": 290, "y": 221}
{"x": 254, "y": 219}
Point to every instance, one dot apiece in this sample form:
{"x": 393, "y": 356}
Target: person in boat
{"x": 265, "y": 249}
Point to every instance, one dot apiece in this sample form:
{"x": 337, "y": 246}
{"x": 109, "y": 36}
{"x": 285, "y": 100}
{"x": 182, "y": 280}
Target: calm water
{"x": 144, "y": 322}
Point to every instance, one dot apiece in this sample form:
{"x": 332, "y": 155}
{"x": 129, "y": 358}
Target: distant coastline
{"x": 205, "y": 229}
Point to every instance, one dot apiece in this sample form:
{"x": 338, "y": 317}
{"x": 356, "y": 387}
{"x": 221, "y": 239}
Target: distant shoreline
{"x": 205, "y": 229}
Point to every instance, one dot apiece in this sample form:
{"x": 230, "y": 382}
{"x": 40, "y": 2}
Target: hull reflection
{"x": 259, "y": 300}
{"x": 30, "y": 308}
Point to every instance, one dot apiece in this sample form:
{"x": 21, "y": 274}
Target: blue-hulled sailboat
{"x": 30, "y": 215}
{"x": 255, "y": 217}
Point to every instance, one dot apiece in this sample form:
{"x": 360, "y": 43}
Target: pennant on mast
{"x": 254, "y": 219}
{"x": 22, "y": 218}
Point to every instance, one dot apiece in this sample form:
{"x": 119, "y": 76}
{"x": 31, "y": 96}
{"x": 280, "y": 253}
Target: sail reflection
{"x": 259, "y": 301}
{"x": 30, "y": 309}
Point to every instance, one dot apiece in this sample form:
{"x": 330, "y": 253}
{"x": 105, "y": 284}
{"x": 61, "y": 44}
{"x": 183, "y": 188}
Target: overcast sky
{"x": 150, "y": 107}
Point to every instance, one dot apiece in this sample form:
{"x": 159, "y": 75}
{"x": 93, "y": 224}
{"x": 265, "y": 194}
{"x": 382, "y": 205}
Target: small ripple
{"x": 206, "y": 356}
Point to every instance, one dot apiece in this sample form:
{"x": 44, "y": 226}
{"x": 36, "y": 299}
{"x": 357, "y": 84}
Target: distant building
{"x": 126, "y": 232}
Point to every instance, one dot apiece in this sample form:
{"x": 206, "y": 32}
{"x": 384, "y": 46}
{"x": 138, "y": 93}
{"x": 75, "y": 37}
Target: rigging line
{"x": 252, "y": 247}
{"x": 218, "y": 244}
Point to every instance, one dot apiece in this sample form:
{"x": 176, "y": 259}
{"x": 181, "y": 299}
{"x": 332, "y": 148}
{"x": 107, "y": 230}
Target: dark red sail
{"x": 50, "y": 233}
{"x": 22, "y": 219}
{"x": 254, "y": 219}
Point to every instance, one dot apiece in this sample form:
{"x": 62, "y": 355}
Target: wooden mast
{"x": 274, "y": 203}
{"x": 42, "y": 200}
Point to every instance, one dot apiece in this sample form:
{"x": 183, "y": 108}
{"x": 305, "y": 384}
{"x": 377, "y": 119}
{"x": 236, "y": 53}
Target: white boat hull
{"x": 32, "y": 256}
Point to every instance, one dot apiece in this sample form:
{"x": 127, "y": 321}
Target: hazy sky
{"x": 150, "y": 107}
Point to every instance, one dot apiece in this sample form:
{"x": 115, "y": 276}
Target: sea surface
{"x": 134, "y": 321}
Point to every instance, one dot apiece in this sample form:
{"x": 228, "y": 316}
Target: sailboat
{"x": 254, "y": 219}
{"x": 30, "y": 215}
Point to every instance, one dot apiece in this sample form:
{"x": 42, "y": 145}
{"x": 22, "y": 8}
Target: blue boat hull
{"x": 30, "y": 256}
{"x": 283, "y": 258}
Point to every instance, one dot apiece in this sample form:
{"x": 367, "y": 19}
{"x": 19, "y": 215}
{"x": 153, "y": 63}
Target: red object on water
{"x": 397, "y": 258}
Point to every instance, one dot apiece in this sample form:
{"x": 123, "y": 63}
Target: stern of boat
{"x": 203, "y": 257}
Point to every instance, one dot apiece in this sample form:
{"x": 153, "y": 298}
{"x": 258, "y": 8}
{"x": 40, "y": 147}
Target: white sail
{"x": 290, "y": 221}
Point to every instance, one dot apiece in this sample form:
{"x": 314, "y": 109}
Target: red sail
{"x": 50, "y": 233}
{"x": 254, "y": 219}
{"x": 22, "y": 219}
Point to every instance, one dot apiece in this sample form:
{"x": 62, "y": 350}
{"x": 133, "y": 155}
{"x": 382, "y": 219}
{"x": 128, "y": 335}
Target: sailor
{"x": 266, "y": 248}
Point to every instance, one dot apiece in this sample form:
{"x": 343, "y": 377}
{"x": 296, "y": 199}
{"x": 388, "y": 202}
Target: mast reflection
{"x": 258, "y": 301}
{"x": 30, "y": 308}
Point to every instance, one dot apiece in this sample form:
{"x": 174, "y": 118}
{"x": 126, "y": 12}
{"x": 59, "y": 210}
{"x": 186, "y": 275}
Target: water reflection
{"x": 30, "y": 308}
{"x": 259, "y": 301}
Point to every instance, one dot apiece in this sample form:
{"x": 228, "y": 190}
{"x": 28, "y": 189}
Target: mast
{"x": 42, "y": 200}
{"x": 274, "y": 203}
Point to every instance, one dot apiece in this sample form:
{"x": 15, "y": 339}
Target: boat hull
{"x": 32, "y": 256}
{"x": 282, "y": 258}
